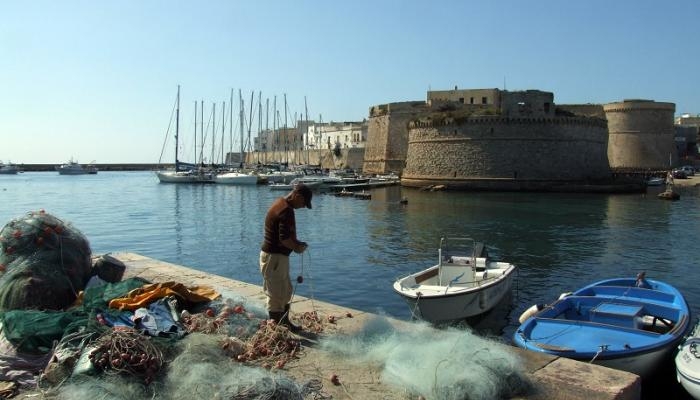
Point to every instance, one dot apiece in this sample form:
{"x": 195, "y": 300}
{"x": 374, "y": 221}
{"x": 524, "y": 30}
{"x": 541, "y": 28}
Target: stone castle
{"x": 494, "y": 139}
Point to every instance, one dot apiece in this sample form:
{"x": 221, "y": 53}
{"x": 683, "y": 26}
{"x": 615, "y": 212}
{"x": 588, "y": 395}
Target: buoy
{"x": 530, "y": 312}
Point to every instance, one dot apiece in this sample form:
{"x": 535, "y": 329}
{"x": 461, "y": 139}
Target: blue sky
{"x": 96, "y": 80}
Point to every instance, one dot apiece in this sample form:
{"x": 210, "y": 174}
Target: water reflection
{"x": 358, "y": 248}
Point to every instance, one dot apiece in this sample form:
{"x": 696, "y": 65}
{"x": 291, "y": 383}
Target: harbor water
{"x": 357, "y": 248}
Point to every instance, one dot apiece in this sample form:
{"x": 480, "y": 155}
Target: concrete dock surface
{"x": 553, "y": 378}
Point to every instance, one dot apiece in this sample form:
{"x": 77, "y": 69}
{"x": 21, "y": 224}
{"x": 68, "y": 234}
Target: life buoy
{"x": 530, "y": 312}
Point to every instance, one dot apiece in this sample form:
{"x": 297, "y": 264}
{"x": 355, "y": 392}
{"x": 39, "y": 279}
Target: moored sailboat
{"x": 183, "y": 172}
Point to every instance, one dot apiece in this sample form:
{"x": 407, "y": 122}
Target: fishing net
{"x": 444, "y": 364}
{"x": 44, "y": 262}
{"x": 198, "y": 369}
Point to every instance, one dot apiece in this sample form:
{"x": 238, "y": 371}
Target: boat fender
{"x": 565, "y": 294}
{"x": 530, "y": 312}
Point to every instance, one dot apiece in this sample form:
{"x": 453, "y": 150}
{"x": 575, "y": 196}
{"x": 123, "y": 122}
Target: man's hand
{"x": 301, "y": 247}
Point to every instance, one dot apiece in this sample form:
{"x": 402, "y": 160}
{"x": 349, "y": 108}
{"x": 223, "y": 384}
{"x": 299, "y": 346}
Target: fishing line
{"x": 300, "y": 278}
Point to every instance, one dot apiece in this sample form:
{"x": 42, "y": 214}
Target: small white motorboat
{"x": 459, "y": 286}
{"x": 688, "y": 363}
{"x": 72, "y": 167}
{"x": 8, "y": 169}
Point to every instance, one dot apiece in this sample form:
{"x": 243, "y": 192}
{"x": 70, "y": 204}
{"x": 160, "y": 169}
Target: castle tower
{"x": 640, "y": 134}
{"x": 387, "y": 136}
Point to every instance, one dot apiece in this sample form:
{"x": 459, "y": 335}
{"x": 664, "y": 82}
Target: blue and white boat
{"x": 631, "y": 324}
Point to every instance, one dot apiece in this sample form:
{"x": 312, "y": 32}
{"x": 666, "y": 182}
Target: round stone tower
{"x": 640, "y": 134}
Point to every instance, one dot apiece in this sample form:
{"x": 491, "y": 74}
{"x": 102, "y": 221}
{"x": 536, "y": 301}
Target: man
{"x": 280, "y": 239}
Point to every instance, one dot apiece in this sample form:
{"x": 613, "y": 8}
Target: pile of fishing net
{"x": 44, "y": 261}
{"x": 196, "y": 369}
{"x": 442, "y": 364}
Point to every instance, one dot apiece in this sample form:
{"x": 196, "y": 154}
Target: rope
{"x": 310, "y": 320}
{"x": 603, "y": 347}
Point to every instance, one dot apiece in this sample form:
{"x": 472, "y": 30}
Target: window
{"x": 483, "y": 100}
{"x": 461, "y": 100}
{"x": 471, "y": 100}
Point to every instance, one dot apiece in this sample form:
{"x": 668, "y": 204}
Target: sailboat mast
{"x": 242, "y": 115}
{"x": 305, "y": 137}
{"x": 213, "y": 132}
{"x": 275, "y": 138}
{"x": 230, "y": 131}
{"x": 259, "y": 123}
{"x": 223, "y": 130}
{"x": 267, "y": 126}
{"x": 177, "y": 126}
{"x": 195, "y": 131}
{"x": 250, "y": 118}
{"x": 201, "y": 132}
{"x": 286, "y": 147}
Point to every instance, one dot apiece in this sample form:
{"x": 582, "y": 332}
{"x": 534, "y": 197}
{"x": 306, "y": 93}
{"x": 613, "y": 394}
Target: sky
{"x": 97, "y": 80}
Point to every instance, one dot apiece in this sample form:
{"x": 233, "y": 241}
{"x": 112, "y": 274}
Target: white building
{"x": 334, "y": 135}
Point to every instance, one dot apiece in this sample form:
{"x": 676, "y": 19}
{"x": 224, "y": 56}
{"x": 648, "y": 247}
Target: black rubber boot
{"x": 276, "y": 316}
{"x": 286, "y": 322}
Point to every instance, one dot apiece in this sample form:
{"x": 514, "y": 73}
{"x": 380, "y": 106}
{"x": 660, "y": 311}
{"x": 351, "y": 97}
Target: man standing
{"x": 280, "y": 239}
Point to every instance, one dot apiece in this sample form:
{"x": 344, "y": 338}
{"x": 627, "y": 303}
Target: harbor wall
{"x": 346, "y": 158}
{"x": 494, "y": 152}
{"x": 553, "y": 378}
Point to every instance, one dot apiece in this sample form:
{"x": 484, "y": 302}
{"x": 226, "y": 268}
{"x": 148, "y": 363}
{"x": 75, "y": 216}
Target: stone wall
{"x": 641, "y": 134}
{"x": 498, "y": 152}
{"x": 586, "y": 110}
{"x": 387, "y": 136}
{"x": 351, "y": 158}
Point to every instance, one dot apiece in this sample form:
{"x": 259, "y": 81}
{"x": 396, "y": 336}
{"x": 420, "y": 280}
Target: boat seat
{"x": 426, "y": 275}
{"x": 625, "y": 315}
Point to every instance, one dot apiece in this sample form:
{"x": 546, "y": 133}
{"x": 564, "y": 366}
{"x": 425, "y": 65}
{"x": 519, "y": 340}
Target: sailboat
{"x": 183, "y": 172}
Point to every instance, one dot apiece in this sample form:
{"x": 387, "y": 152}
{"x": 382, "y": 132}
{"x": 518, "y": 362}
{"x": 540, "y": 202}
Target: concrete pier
{"x": 554, "y": 378}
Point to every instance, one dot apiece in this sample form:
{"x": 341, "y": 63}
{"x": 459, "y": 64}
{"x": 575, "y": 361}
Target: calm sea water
{"x": 358, "y": 248}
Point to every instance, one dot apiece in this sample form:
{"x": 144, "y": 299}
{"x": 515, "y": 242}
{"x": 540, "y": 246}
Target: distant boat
{"x": 72, "y": 167}
{"x": 655, "y": 181}
{"x": 183, "y": 172}
{"x": 624, "y": 323}
{"x": 8, "y": 169}
{"x": 313, "y": 185}
{"x": 236, "y": 178}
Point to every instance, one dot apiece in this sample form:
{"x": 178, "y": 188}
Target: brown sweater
{"x": 280, "y": 224}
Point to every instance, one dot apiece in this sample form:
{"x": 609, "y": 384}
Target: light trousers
{"x": 276, "y": 282}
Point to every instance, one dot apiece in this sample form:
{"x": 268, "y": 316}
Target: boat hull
{"x": 184, "y": 177}
{"x": 688, "y": 364}
{"x": 236, "y": 178}
{"x": 76, "y": 169}
{"x": 459, "y": 305}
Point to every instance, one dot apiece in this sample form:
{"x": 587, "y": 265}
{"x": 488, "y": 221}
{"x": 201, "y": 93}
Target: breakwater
{"x": 101, "y": 167}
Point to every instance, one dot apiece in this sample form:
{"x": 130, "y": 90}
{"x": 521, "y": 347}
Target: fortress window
{"x": 483, "y": 100}
{"x": 461, "y": 100}
{"x": 471, "y": 100}
{"x": 546, "y": 108}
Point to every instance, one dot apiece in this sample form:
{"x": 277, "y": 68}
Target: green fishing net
{"x": 44, "y": 262}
